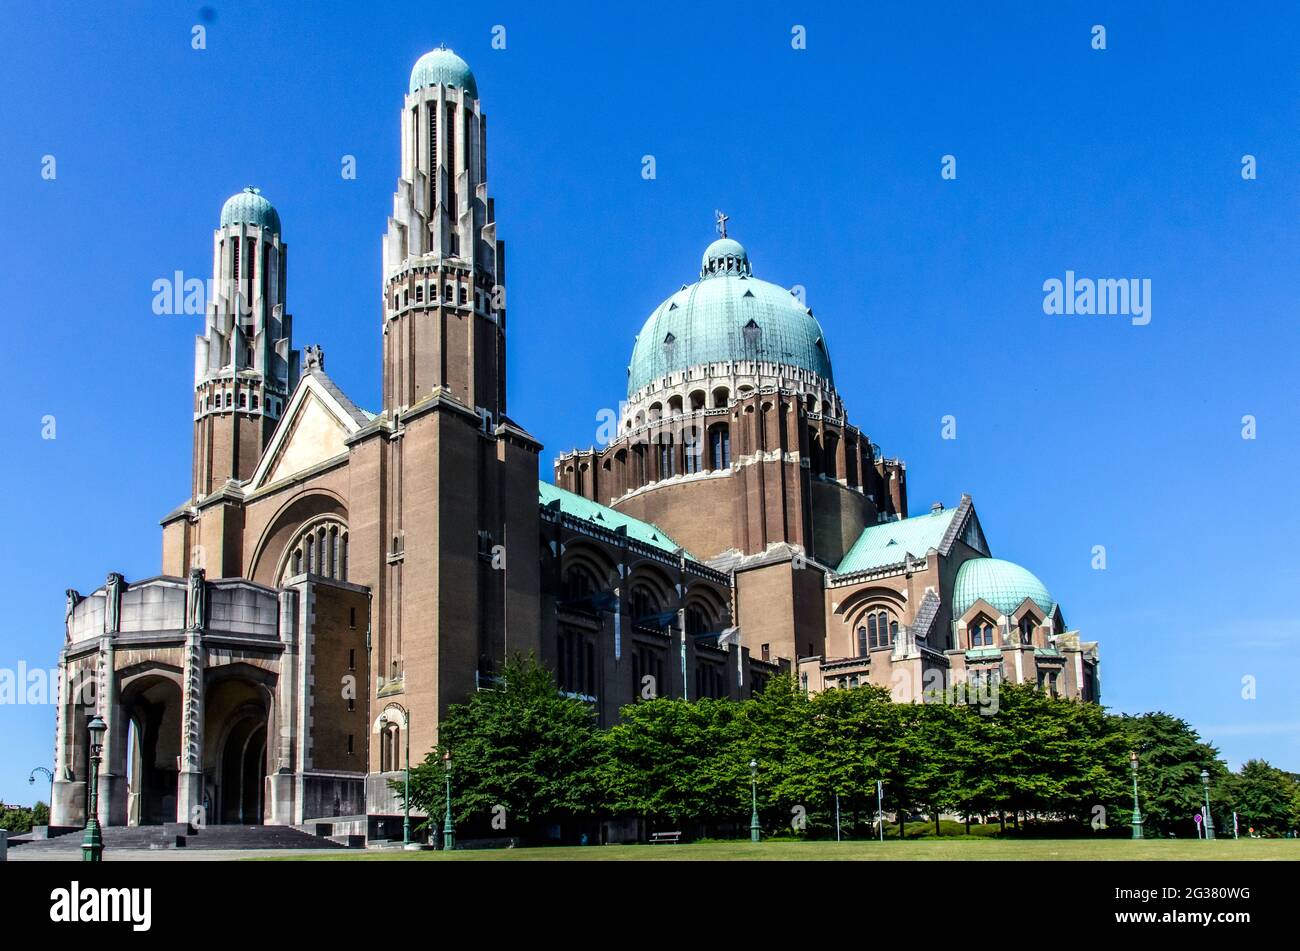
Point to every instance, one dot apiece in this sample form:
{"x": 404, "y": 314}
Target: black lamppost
{"x": 1137, "y": 812}
{"x": 92, "y": 844}
{"x": 1209, "y": 819}
{"x": 448, "y": 827}
{"x": 755, "y": 832}
{"x": 31, "y": 780}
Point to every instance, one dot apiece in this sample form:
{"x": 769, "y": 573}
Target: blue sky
{"x": 1072, "y": 431}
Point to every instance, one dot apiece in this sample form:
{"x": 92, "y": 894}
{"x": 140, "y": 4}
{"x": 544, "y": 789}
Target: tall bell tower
{"x": 244, "y": 364}
{"x": 443, "y": 509}
{"x": 444, "y": 269}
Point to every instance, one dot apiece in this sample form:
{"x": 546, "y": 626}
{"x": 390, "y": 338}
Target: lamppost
{"x": 1137, "y": 811}
{"x": 448, "y": 827}
{"x": 92, "y": 844}
{"x": 755, "y": 832}
{"x": 1209, "y": 819}
{"x": 31, "y": 780}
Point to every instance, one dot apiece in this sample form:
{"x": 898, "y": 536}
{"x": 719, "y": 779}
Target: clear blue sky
{"x": 1072, "y": 431}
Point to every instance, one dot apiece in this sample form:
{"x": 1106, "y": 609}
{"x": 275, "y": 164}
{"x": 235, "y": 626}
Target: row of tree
{"x": 528, "y": 760}
{"x": 17, "y": 820}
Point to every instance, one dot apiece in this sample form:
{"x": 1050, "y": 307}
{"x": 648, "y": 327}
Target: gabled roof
{"x": 312, "y": 429}
{"x": 925, "y": 615}
{"x": 578, "y": 507}
{"x": 887, "y": 543}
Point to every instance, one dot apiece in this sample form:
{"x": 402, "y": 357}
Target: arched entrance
{"x": 152, "y": 704}
{"x": 237, "y": 712}
{"x": 241, "y": 779}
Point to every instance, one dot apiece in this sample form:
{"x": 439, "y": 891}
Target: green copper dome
{"x": 727, "y": 316}
{"x": 250, "y": 208}
{"x": 1003, "y": 584}
{"x": 443, "y": 66}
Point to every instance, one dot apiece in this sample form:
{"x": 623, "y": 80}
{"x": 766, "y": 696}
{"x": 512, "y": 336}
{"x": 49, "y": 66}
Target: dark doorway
{"x": 241, "y": 785}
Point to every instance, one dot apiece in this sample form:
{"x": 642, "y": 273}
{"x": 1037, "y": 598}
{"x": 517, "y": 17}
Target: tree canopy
{"x": 526, "y": 758}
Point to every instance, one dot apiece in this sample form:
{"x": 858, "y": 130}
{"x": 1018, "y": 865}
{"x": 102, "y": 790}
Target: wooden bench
{"x": 670, "y": 837}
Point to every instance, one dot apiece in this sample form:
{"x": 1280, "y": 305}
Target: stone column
{"x": 112, "y": 793}
{"x": 841, "y": 456}
{"x": 189, "y": 784}
{"x": 67, "y": 805}
{"x": 112, "y": 797}
{"x": 283, "y": 781}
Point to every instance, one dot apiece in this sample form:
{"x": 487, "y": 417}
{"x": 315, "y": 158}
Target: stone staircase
{"x": 179, "y": 837}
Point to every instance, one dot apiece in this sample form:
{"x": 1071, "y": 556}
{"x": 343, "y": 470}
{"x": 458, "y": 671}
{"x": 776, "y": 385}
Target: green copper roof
{"x": 727, "y": 316}
{"x": 605, "y": 517}
{"x": 443, "y": 66}
{"x": 250, "y": 208}
{"x": 1002, "y": 584}
{"x": 886, "y": 543}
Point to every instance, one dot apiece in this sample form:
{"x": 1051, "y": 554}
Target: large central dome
{"x": 727, "y": 316}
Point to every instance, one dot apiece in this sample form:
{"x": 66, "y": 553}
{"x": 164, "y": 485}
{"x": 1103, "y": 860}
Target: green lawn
{"x": 925, "y": 850}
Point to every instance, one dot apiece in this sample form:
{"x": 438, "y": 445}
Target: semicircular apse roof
{"x": 1003, "y": 584}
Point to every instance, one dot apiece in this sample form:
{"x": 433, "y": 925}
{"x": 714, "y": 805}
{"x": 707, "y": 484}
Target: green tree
{"x": 522, "y": 754}
{"x": 18, "y": 820}
{"x": 932, "y": 732}
{"x": 1171, "y": 756}
{"x": 674, "y": 762}
{"x": 1263, "y": 797}
{"x": 855, "y": 742}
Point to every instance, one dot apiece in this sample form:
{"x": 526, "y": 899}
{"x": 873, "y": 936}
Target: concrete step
{"x": 208, "y": 837}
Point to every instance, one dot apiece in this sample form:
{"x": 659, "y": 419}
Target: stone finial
{"x": 196, "y": 602}
{"x": 113, "y": 603}
{"x": 73, "y": 598}
{"x": 313, "y": 357}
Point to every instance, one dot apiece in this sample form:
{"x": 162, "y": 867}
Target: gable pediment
{"x": 313, "y": 430}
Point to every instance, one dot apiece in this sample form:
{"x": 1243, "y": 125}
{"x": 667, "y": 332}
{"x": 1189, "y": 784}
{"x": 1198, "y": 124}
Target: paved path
{"x": 159, "y": 855}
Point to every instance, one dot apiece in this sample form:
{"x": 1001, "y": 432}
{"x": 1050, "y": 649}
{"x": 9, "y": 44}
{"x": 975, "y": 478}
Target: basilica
{"x": 338, "y": 576}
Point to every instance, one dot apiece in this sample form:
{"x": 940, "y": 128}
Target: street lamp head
{"x": 1133, "y": 758}
{"x": 97, "y": 727}
{"x": 1205, "y": 775}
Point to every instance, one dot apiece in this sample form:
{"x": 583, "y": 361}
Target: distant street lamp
{"x": 1209, "y": 818}
{"x": 755, "y": 833}
{"x": 92, "y": 844}
{"x": 448, "y": 827}
{"x": 1137, "y": 812}
{"x": 31, "y": 780}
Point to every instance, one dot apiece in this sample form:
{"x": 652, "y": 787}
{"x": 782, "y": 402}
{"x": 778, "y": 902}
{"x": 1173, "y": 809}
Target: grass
{"x": 972, "y": 848}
